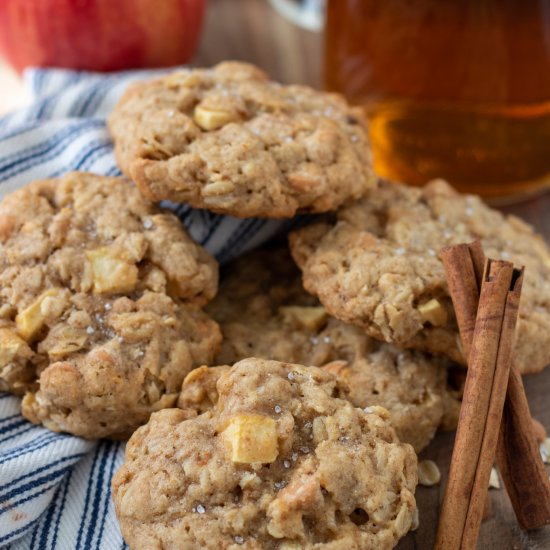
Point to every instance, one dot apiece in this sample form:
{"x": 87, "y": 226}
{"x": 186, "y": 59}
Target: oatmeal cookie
{"x": 377, "y": 266}
{"x": 99, "y": 304}
{"x": 264, "y": 311}
{"x": 281, "y": 461}
{"x": 230, "y": 140}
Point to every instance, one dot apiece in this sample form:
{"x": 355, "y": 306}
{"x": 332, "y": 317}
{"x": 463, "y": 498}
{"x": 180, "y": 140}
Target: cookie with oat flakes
{"x": 377, "y": 266}
{"x": 100, "y": 296}
{"x": 281, "y": 461}
{"x": 263, "y": 311}
{"x": 230, "y": 140}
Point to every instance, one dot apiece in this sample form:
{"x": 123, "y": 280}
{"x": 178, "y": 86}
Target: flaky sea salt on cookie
{"x": 263, "y": 311}
{"x": 230, "y": 140}
{"x": 377, "y": 266}
{"x": 99, "y": 304}
{"x": 280, "y": 461}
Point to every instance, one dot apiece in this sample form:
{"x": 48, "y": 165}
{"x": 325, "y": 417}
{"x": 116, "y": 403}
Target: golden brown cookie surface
{"x": 377, "y": 266}
{"x": 263, "y": 311}
{"x": 99, "y": 304}
{"x": 230, "y": 140}
{"x": 279, "y": 462}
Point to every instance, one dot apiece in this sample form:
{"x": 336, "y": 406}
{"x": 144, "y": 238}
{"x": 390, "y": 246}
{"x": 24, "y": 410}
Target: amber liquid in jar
{"x": 458, "y": 89}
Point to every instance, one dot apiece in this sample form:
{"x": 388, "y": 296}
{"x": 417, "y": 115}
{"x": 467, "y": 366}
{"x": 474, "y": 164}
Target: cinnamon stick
{"x": 496, "y": 407}
{"x": 480, "y": 414}
{"x": 464, "y": 281}
{"x": 518, "y": 457}
{"x": 519, "y": 461}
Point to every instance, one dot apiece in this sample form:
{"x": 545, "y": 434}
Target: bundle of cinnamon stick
{"x": 495, "y": 421}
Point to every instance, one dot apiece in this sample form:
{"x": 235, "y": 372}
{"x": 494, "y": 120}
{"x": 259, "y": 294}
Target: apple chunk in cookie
{"x": 280, "y": 461}
{"x": 100, "y": 296}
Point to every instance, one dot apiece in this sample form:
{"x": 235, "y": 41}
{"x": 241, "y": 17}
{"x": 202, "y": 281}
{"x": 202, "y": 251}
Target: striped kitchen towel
{"x": 55, "y": 488}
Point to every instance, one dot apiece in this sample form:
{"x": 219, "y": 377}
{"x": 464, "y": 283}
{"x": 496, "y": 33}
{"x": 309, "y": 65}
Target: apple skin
{"x": 99, "y": 35}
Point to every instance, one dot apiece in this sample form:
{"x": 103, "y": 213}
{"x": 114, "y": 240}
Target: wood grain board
{"x": 250, "y": 30}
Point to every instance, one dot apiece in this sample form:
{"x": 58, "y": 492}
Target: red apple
{"x": 101, "y": 35}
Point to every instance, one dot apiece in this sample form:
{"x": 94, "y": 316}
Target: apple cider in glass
{"x": 458, "y": 89}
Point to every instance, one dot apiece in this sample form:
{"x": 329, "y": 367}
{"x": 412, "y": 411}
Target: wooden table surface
{"x": 250, "y": 30}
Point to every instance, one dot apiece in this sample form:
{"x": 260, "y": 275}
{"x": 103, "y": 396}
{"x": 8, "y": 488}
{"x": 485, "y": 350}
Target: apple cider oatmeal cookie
{"x": 281, "y": 461}
{"x": 263, "y": 311}
{"x": 230, "y": 140}
{"x": 377, "y": 266}
{"x": 100, "y": 296}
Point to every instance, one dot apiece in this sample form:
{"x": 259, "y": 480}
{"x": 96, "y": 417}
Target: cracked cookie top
{"x": 281, "y": 461}
{"x": 230, "y": 140}
{"x": 377, "y": 266}
{"x": 99, "y": 304}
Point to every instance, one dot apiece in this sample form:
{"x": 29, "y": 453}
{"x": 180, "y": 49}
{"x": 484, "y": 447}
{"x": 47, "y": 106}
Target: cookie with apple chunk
{"x": 281, "y": 461}
{"x": 264, "y": 311}
{"x": 376, "y": 266}
{"x": 229, "y": 140}
{"x": 100, "y": 304}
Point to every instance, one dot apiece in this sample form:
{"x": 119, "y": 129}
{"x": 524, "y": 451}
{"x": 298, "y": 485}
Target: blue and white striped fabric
{"x": 55, "y": 489}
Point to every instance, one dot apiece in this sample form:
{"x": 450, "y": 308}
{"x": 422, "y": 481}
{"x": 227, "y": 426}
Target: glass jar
{"x": 458, "y": 89}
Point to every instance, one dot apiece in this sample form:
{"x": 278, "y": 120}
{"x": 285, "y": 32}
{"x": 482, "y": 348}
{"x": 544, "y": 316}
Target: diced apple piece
{"x": 252, "y": 438}
{"x": 433, "y": 312}
{"x": 32, "y": 319}
{"x": 11, "y": 345}
{"x": 111, "y": 273}
{"x": 212, "y": 119}
{"x": 311, "y": 318}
